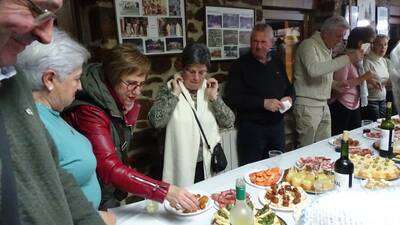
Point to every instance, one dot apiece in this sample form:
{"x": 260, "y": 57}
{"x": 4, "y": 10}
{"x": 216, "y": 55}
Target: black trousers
{"x": 344, "y": 118}
{"x": 254, "y": 140}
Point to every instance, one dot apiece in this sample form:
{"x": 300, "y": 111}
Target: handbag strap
{"x": 198, "y": 122}
{"x": 9, "y": 201}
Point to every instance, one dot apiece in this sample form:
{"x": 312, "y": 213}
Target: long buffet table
{"x": 136, "y": 213}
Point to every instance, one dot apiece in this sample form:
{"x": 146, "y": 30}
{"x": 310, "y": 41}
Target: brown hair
{"x": 124, "y": 59}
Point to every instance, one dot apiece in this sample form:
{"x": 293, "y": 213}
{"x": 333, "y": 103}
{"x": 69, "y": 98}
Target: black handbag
{"x": 218, "y": 158}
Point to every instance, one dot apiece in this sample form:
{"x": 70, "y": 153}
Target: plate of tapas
{"x": 227, "y": 198}
{"x": 315, "y": 163}
{"x": 283, "y": 197}
{"x": 396, "y": 150}
{"x": 264, "y": 178}
{"x": 374, "y": 167}
{"x": 396, "y": 121}
{"x": 204, "y": 205}
{"x": 373, "y": 135}
{"x": 373, "y": 184}
{"x": 311, "y": 181}
{"x": 361, "y": 151}
{"x": 263, "y": 216}
{"x": 353, "y": 143}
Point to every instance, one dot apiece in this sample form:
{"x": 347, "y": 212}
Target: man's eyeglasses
{"x": 41, "y": 15}
{"x": 133, "y": 85}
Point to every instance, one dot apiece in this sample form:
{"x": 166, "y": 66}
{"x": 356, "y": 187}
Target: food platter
{"x": 374, "y": 167}
{"x": 315, "y": 163}
{"x": 223, "y": 199}
{"x": 277, "y": 195}
{"x": 261, "y": 216}
{"x": 204, "y": 200}
{"x": 309, "y": 180}
{"x": 264, "y": 178}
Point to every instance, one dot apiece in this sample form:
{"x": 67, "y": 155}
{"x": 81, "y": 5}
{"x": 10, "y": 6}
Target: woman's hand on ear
{"x": 176, "y": 89}
{"x": 212, "y": 89}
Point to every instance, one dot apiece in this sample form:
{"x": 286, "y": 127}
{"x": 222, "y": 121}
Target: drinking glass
{"x": 364, "y": 124}
{"x": 151, "y": 206}
{"x": 273, "y": 153}
{"x": 318, "y": 186}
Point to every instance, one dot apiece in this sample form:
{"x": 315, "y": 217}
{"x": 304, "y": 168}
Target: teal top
{"x": 74, "y": 152}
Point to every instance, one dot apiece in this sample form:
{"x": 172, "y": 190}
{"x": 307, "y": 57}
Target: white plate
{"x": 247, "y": 178}
{"x": 371, "y": 138}
{"x": 209, "y": 204}
{"x": 304, "y": 200}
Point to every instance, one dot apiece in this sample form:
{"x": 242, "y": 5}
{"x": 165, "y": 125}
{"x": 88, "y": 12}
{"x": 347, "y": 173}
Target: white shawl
{"x": 182, "y": 141}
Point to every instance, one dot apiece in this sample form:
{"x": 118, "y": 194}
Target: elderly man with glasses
{"x": 34, "y": 189}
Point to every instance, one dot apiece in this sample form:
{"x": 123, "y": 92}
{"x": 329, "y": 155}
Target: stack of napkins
{"x": 286, "y": 106}
{"x": 354, "y": 207}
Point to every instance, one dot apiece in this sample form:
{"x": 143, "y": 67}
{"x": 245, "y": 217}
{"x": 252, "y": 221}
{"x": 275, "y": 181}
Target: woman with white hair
{"x": 54, "y": 71}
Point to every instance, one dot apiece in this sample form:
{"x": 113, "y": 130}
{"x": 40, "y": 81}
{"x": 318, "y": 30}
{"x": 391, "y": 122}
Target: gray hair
{"x": 263, "y": 27}
{"x": 196, "y": 53}
{"x": 63, "y": 55}
{"x": 380, "y": 36}
{"x": 334, "y": 22}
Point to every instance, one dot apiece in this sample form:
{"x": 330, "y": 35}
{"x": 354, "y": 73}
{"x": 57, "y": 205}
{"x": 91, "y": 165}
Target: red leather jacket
{"x": 95, "y": 124}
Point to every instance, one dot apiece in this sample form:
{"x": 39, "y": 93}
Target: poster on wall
{"x": 366, "y": 13}
{"x": 153, "y": 26}
{"x": 228, "y": 31}
{"x": 351, "y": 20}
{"x": 382, "y": 21}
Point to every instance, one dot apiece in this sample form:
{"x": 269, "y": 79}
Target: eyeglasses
{"x": 133, "y": 85}
{"x": 41, "y": 15}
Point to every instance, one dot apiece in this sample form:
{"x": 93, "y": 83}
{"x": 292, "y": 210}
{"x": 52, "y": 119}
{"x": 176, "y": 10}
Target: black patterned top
{"x": 162, "y": 109}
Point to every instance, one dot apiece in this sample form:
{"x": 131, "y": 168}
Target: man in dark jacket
{"x": 34, "y": 188}
{"x": 258, "y": 89}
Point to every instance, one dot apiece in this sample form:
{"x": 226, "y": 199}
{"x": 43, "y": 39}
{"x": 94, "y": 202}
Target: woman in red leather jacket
{"x": 105, "y": 112}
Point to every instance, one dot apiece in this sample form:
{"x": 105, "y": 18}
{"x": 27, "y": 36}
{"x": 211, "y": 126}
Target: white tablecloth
{"x": 135, "y": 214}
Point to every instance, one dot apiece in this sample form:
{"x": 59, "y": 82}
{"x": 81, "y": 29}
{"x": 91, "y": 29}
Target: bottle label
{"x": 384, "y": 143}
{"x": 240, "y": 192}
{"x": 343, "y": 181}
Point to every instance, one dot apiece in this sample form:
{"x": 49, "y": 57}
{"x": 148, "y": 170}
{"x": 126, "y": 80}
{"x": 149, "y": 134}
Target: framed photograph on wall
{"x": 228, "y": 31}
{"x": 154, "y": 26}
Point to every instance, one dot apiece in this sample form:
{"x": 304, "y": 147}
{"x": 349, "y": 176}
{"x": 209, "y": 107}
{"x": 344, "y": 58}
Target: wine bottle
{"x": 344, "y": 168}
{"x": 241, "y": 213}
{"x": 387, "y": 127}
